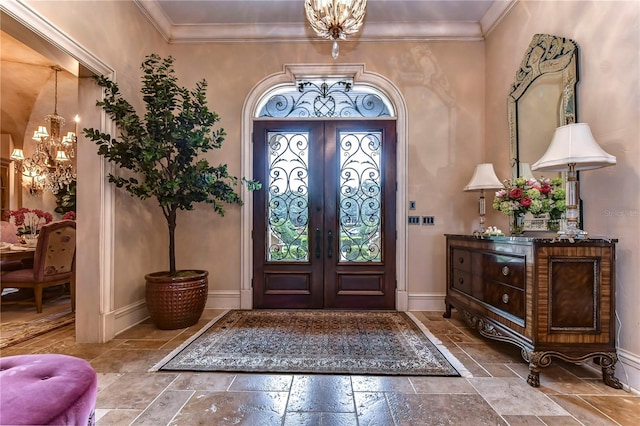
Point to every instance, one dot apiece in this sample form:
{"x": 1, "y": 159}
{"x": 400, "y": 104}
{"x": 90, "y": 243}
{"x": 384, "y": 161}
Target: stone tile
{"x": 321, "y": 393}
{"x": 584, "y": 412}
{"x": 144, "y": 344}
{"x": 164, "y": 408}
{"x": 382, "y": 384}
{"x": 147, "y": 330}
{"x": 262, "y": 382}
{"x": 323, "y": 419}
{"x": 469, "y": 363}
{"x": 233, "y": 408}
{"x": 128, "y": 360}
{"x": 133, "y": 391}
{"x": 211, "y": 382}
{"x": 623, "y": 409}
{"x": 559, "y": 420}
{"x": 437, "y": 409}
{"x": 105, "y": 379}
{"x": 523, "y": 421}
{"x": 555, "y": 379}
{"x": 500, "y": 370}
{"x": 86, "y": 351}
{"x": 442, "y": 385}
{"x": 117, "y": 417}
{"x": 372, "y": 408}
{"x": 491, "y": 353}
{"x": 513, "y": 396}
{"x": 603, "y": 389}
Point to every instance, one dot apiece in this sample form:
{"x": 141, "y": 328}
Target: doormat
{"x": 315, "y": 342}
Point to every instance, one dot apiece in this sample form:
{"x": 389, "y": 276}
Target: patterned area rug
{"x": 18, "y": 331}
{"x": 314, "y": 342}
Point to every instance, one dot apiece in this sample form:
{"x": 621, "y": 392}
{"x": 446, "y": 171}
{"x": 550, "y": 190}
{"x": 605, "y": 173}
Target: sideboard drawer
{"x": 461, "y": 280}
{"x": 504, "y": 298}
{"x": 461, "y": 259}
{"x": 504, "y": 268}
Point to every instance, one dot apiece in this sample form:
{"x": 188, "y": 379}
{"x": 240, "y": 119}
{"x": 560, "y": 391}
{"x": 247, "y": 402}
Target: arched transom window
{"x": 324, "y": 98}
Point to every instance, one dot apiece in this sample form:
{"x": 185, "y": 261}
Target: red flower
{"x": 515, "y": 193}
{"x": 526, "y": 202}
{"x": 545, "y": 189}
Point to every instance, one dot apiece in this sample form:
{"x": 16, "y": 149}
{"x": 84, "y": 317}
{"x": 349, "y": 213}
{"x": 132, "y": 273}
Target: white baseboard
{"x": 628, "y": 370}
{"x": 426, "y": 302}
{"x": 124, "y": 318}
{"x": 223, "y": 299}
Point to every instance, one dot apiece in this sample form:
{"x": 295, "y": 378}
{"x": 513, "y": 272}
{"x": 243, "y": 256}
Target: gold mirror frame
{"x": 542, "y": 98}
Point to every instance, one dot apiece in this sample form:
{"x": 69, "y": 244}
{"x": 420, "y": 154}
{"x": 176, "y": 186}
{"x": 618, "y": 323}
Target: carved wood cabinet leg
{"x": 447, "y": 311}
{"x": 608, "y": 364}
{"x": 534, "y": 376}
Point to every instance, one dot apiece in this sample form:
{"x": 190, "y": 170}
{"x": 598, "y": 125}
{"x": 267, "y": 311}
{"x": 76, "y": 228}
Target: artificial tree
{"x": 163, "y": 149}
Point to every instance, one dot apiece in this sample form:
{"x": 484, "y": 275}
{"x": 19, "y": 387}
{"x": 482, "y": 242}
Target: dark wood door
{"x": 324, "y": 223}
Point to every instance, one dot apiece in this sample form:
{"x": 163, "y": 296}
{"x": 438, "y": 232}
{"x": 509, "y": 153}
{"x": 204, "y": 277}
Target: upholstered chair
{"x": 8, "y": 232}
{"x": 53, "y": 263}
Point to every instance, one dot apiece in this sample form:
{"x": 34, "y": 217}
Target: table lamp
{"x": 484, "y": 177}
{"x": 573, "y": 148}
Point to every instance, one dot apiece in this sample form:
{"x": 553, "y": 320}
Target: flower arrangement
{"x": 28, "y": 221}
{"x": 70, "y": 215}
{"x": 522, "y": 196}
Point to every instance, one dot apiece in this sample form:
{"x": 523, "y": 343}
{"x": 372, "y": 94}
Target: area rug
{"x": 14, "y": 332}
{"x": 314, "y": 342}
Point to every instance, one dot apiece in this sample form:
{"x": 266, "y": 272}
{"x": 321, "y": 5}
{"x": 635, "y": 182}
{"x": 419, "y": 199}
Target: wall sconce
{"x": 484, "y": 177}
{"x": 573, "y": 148}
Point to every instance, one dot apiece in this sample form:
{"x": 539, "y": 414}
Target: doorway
{"x": 324, "y": 233}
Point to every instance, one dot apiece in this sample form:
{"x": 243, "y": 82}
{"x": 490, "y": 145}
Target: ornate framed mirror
{"x": 542, "y": 98}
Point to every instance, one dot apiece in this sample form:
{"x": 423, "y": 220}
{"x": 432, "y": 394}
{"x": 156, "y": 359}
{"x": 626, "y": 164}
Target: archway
{"x": 289, "y": 76}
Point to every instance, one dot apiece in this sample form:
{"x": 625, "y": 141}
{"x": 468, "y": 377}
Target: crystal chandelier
{"x": 335, "y": 19}
{"x": 51, "y": 165}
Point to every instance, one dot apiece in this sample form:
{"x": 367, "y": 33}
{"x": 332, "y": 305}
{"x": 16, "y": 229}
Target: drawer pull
{"x": 505, "y": 298}
{"x": 460, "y": 280}
{"x": 461, "y": 260}
{"x": 505, "y": 270}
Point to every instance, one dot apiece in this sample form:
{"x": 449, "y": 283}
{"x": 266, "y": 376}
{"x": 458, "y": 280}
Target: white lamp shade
{"x": 484, "y": 177}
{"x": 573, "y": 144}
{"x": 17, "y": 154}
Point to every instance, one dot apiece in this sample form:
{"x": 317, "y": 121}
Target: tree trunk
{"x": 171, "y": 220}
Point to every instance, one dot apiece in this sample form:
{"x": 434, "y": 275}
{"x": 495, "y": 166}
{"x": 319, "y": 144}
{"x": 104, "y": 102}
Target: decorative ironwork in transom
{"x": 325, "y": 99}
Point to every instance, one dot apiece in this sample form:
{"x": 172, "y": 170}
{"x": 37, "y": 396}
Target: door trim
{"x": 288, "y": 76}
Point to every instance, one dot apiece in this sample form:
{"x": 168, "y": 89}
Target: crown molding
{"x": 373, "y": 31}
{"x": 495, "y": 14}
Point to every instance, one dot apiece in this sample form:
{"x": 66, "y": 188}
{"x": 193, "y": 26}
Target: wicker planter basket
{"x": 176, "y": 302}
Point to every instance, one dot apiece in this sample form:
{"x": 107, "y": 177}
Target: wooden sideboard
{"x": 551, "y": 298}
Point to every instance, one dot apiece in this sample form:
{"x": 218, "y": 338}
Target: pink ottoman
{"x": 47, "y": 389}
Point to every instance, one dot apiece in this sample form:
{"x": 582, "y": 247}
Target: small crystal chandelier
{"x": 51, "y": 165}
{"x": 335, "y": 19}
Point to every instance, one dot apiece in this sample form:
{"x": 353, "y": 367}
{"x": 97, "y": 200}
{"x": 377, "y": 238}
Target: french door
{"x": 324, "y": 221}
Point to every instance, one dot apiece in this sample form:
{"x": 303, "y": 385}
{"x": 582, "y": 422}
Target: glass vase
{"x": 517, "y": 224}
{"x": 553, "y": 225}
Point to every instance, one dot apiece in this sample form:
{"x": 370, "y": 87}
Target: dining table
{"x": 16, "y": 252}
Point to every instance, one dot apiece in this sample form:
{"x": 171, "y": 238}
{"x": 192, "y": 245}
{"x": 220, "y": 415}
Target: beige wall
{"x": 608, "y": 38}
{"x": 442, "y": 84}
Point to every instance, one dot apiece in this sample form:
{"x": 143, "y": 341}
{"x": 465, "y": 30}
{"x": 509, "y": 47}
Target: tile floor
{"x": 497, "y": 394}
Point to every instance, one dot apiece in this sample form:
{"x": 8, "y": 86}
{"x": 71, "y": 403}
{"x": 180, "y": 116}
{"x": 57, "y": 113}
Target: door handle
{"x": 330, "y": 245}
{"x": 318, "y": 237}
